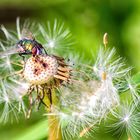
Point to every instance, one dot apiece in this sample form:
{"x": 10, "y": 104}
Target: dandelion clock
{"x": 38, "y": 63}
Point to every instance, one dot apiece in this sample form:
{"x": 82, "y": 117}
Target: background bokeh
{"x": 88, "y": 20}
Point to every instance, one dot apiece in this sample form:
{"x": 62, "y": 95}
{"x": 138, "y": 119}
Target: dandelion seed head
{"x": 133, "y": 88}
{"x": 9, "y": 101}
{"x": 51, "y": 43}
{"x": 95, "y": 99}
{"x": 87, "y": 95}
{"x": 40, "y": 70}
{"x": 113, "y": 67}
{"x": 56, "y": 37}
{"x": 126, "y": 118}
{"x": 5, "y": 64}
{"x": 18, "y": 87}
{"x": 104, "y": 97}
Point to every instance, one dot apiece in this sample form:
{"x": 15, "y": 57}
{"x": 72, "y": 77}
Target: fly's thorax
{"x": 28, "y": 44}
{"x": 40, "y": 69}
{"x": 25, "y": 46}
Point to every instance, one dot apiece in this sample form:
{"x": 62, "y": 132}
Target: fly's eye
{"x": 20, "y": 47}
{"x": 21, "y": 43}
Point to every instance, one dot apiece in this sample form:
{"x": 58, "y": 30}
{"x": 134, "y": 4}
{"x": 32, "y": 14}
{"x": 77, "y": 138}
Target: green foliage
{"x": 37, "y": 131}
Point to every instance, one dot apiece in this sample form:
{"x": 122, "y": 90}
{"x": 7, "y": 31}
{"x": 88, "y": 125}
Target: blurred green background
{"x": 88, "y": 20}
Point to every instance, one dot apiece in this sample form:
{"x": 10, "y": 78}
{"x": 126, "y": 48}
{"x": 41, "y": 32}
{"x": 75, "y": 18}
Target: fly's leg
{"x": 45, "y": 51}
{"x": 23, "y": 57}
{"x": 43, "y": 96}
{"x": 40, "y": 97}
{"x": 50, "y": 96}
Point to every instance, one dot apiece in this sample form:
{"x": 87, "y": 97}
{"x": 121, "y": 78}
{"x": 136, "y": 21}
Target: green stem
{"x": 53, "y": 120}
{"x": 54, "y": 128}
{"x": 129, "y": 137}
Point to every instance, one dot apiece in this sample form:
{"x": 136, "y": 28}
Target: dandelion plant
{"x": 38, "y": 62}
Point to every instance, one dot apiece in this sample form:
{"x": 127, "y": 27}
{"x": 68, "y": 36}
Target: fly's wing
{"x": 27, "y": 34}
{"x": 8, "y": 52}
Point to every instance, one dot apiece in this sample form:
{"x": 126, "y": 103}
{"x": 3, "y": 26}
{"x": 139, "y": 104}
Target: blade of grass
{"x": 35, "y": 132}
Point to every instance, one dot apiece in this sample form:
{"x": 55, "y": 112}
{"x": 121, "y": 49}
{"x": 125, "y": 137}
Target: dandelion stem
{"x": 54, "y": 128}
{"x": 53, "y": 120}
{"x": 129, "y": 138}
